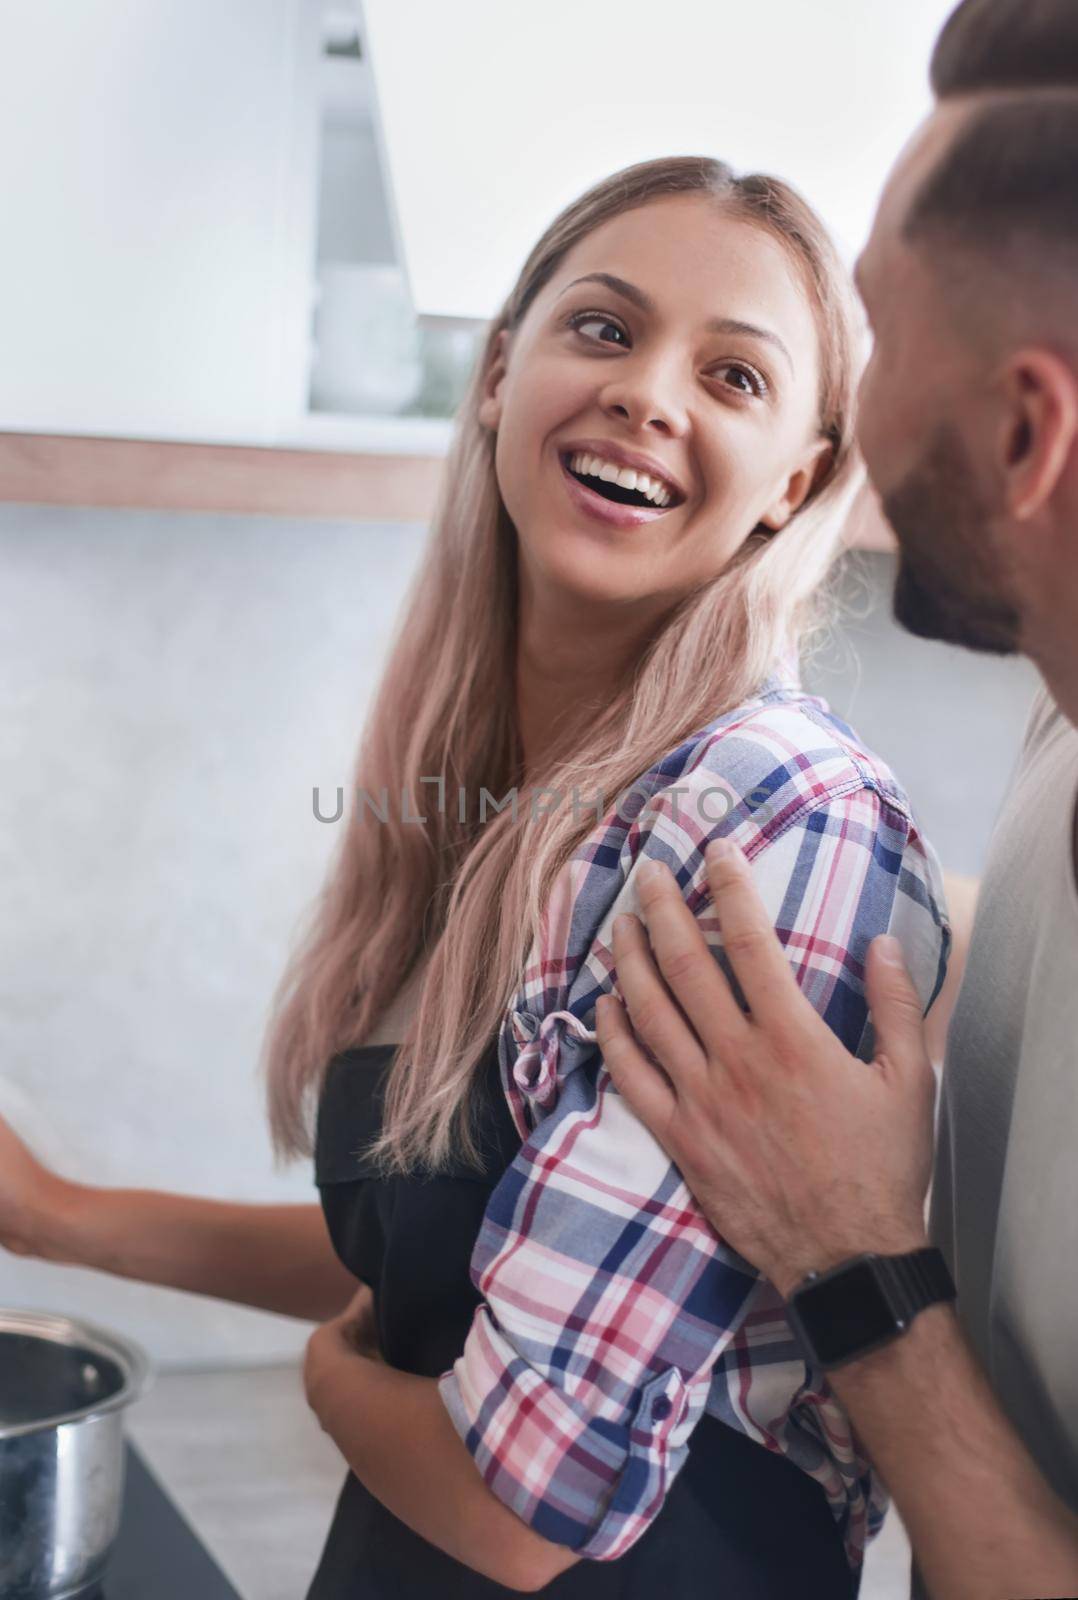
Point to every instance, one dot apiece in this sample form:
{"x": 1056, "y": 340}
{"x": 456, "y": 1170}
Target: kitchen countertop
{"x": 156, "y": 1552}
{"x": 247, "y": 1464}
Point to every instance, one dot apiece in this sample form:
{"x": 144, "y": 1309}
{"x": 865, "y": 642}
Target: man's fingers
{"x": 688, "y": 965}
{"x": 637, "y": 1080}
{"x": 895, "y": 1006}
{"x": 749, "y": 939}
{"x": 652, "y": 1009}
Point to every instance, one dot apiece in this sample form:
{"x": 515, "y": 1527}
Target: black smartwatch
{"x": 865, "y": 1302}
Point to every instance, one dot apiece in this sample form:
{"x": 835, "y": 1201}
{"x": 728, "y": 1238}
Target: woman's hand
{"x": 30, "y": 1196}
{"x": 351, "y": 1335}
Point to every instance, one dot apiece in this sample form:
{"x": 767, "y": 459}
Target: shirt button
{"x": 661, "y": 1408}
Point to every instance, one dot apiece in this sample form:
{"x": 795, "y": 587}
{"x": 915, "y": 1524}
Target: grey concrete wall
{"x": 948, "y": 721}
{"x": 171, "y": 688}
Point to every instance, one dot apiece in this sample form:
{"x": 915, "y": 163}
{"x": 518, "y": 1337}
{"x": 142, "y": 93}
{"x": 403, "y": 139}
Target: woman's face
{"x": 689, "y": 353}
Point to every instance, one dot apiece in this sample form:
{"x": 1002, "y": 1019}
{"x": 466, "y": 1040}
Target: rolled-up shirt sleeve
{"x": 607, "y": 1300}
{"x": 609, "y": 1303}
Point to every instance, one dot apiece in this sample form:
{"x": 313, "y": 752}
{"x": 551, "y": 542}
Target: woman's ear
{"x": 799, "y": 485}
{"x": 1040, "y": 429}
{"x": 490, "y": 406}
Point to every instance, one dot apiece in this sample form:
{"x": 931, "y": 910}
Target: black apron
{"x": 739, "y": 1523}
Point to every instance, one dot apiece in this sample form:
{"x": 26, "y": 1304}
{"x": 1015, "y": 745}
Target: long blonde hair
{"x": 469, "y": 894}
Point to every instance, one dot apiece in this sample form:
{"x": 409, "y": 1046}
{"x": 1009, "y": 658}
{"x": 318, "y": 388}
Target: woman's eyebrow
{"x": 735, "y": 325}
{"x": 637, "y": 297}
{"x": 627, "y": 290}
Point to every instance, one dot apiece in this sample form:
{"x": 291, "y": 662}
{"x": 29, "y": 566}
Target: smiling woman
{"x": 582, "y": 1387}
{"x": 691, "y": 333}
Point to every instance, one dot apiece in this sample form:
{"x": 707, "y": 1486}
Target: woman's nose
{"x": 645, "y": 398}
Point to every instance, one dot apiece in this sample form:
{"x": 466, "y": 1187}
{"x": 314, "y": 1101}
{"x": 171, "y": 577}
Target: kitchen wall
{"x": 949, "y": 722}
{"x": 172, "y": 687}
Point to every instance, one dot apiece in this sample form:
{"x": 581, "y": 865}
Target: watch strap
{"x": 917, "y": 1280}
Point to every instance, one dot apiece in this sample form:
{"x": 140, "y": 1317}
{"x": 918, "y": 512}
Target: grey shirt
{"x": 1005, "y": 1197}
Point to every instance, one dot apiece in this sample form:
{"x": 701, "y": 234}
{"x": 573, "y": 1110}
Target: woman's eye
{"x": 744, "y": 379}
{"x": 593, "y": 319}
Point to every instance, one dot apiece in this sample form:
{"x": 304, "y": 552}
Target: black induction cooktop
{"x": 157, "y": 1555}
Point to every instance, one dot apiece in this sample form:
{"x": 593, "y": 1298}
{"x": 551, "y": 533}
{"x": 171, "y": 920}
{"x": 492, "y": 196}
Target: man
{"x": 801, "y": 1156}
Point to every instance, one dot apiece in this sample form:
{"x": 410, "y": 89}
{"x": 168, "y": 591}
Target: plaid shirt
{"x": 614, "y": 1316}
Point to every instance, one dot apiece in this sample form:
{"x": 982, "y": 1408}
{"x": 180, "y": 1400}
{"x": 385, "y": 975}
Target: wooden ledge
{"x": 63, "y": 470}
{"x": 60, "y": 470}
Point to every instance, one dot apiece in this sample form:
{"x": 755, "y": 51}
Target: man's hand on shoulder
{"x": 799, "y": 1154}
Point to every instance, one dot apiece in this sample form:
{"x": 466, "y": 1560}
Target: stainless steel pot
{"x": 63, "y": 1389}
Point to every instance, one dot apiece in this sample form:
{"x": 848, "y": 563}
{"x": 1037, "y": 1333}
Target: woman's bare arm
{"x": 276, "y": 1257}
{"x": 393, "y": 1430}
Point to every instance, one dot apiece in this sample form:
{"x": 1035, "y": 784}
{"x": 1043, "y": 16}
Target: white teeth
{"x": 590, "y": 466}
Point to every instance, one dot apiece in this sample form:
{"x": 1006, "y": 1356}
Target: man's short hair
{"x": 1006, "y": 44}
{"x": 1009, "y": 179}
{"x": 1006, "y": 189}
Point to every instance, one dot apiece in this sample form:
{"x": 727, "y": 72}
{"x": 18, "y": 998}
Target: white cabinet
{"x": 193, "y": 192}
{"x": 159, "y": 211}
{"x": 379, "y": 374}
{"x": 496, "y": 114}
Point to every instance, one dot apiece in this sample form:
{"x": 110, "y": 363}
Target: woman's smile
{"x": 620, "y": 497}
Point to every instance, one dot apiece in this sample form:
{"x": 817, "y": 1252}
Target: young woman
{"x": 642, "y": 500}
{"x": 555, "y": 1376}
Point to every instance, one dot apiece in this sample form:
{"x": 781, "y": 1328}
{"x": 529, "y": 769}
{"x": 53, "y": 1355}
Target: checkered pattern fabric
{"x": 613, "y": 1315}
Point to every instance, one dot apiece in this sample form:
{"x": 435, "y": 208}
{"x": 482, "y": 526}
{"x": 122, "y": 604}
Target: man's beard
{"x": 953, "y": 583}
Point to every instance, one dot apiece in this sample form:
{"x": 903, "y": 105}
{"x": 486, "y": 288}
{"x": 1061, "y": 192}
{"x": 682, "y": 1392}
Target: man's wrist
{"x": 930, "y": 1333}
{"x": 822, "y": 1254}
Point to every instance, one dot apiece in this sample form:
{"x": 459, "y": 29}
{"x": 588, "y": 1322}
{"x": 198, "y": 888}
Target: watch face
{"x": 844, "y": 1314}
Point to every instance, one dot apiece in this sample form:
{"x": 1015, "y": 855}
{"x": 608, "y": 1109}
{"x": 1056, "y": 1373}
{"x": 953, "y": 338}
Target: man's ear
{"x": 1040, "y": 428}
{"x": 799, "y": 485}
{"x": 490, "y": 406}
